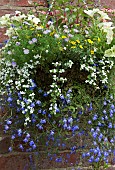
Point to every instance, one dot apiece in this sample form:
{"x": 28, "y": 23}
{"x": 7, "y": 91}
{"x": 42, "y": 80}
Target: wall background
{"x": 9, "y": 6}
{"x": 18, "y": 160}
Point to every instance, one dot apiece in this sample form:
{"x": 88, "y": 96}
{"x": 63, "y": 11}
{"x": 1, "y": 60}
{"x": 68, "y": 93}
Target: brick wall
{"x": 108, "y": 3}
{"x": 9, "y": 6}
{"x": 18, "y": 160}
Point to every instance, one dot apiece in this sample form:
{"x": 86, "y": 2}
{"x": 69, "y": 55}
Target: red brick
{"x": 25, "y": 2}
{"x": 108, "y": 3}
{"x": 6, "y": 11}
{"x": 4, "y": 2}
{"x": 15, "y": 162}
{"x": 4, "y": 144}
{"x": 1, "y": 129}
{"x": 23, "y": 161}
{"x": 20, "y": 3}
{"x": 2, "y": 36}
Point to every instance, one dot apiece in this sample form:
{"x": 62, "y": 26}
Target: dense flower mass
{"x": 56, "y": 80}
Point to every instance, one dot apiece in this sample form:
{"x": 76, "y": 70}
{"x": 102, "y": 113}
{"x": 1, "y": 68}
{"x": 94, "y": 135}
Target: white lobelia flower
{"x": 32, "y": 94}
{"x": 27, "y": 119}
{"x": 18, "y": 101}
{"x": 22, "y": 104}
{"x": 22, "y": 92}
{"x": 31, "y": 110}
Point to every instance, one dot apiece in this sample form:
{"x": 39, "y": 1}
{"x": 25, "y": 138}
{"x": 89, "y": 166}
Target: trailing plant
{"x": 55, "y": 79}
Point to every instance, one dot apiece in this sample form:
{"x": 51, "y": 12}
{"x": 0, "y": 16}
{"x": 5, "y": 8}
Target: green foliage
{"x": 56, "y": 70}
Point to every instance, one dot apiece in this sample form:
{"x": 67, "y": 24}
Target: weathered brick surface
{"x": 21, "y": 2}
{"x": 25, "y": 2}
{"x": 108, "y": 3}
{"x": 4, "y": 2}
{"x": 6, "y": 11}
{"x": 31, "y": 161}
{"x": 4, "y": 144}
{"x": 2, "y": 36}
{"x": 15, "y": 161}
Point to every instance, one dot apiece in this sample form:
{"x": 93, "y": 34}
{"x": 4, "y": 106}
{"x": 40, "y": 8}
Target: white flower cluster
{"x": 8, "y": 19}
{"x": 7, "y": 75}
{"x": 56, "y": 90}
{"x": 19, "y": 80}
{"x": 97, "y": 71}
